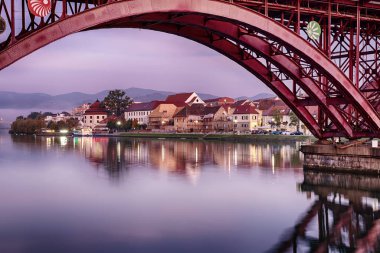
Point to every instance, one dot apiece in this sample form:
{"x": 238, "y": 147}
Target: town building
{"x": 189, "y": 118}
{"x": 63, "y": 116}
{"x": 219, "y": 101}
{"x": 277, "y": 117}
{"x": 141, "y": 111}
{"x": 80, "y": 110}
{"x": 161, "y": 118}
{"x": 182, "y": 99}
{"x": 218, "y": 119}
{"x": 245, "y": 118}
{"x": 200, "y": 118}
{"x": 95, "y": 114}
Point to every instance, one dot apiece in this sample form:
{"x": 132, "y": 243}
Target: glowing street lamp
{"x": 118, "y": 124}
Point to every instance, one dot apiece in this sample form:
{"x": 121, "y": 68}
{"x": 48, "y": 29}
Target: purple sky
{"x": 121, "y": 58}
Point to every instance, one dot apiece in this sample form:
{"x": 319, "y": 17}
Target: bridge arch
{"x": 256, "y": 42}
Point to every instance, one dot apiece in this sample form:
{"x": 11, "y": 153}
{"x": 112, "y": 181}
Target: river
{"x": 143, "y": 195}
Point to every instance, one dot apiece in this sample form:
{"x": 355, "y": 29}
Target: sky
{"x": 93, "y": 61}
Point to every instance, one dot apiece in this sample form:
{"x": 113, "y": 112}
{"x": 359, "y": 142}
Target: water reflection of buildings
{"x": 184, "y": 157}
{"x": 178, "y": 157}
{"x": 344, "y": 218}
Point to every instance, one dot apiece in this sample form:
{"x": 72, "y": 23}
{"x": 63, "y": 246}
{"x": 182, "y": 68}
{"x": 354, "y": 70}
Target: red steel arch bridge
{"x": 331, "y": 83}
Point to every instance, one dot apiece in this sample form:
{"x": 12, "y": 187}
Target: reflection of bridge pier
{"x": 345, "y": 218}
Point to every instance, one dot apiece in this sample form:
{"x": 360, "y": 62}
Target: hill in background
{"x": 14, "y": 100}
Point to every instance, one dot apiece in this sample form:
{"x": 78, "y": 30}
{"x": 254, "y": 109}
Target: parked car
{"x": 285, "y": 133}
{"x": 296, "y": 133}
{"x": 276, "y": 132}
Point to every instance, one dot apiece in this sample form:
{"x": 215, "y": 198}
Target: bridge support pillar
{"x": 361, "y": 159}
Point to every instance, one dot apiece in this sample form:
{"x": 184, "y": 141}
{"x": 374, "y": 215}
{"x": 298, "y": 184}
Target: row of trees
{"x": 116, "y": 102}
{"x": 27, "y": 126}
{"x": 34, "y": 122}
{"x": 278, "y": 120}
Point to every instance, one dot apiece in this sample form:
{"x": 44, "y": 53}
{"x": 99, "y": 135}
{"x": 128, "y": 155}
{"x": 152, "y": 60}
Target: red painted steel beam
{"x": 231, "y": 31}
{"x": 233, "y": 52}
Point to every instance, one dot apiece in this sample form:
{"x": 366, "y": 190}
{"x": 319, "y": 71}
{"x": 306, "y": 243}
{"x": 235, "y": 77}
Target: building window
{"x": 90, "y": 121}
{"x": 97, "y": 117}
{"x": 90, "y": 117}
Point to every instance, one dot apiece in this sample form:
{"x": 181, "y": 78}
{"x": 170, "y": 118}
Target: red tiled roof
{"x": 280, "y": 109}
{"x": 96, "y": 113}
{"x": 96, "y": 109}
{"x": 110, "y": 118}
{"x": 245, "y": 109}
{"x": 180, "y": 97}
{"x": 194, "y": 109}
{"x": 241, "y": 102}
{"x": 149, "y": 106}
{"x": 221, "y": 100}
{"x": 212, "y": 109}
{"x": 265, "y": 104}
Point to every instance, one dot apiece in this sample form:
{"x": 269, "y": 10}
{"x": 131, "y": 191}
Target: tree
{"x": 294, "y": 120}
{"x": 27, "y": 126}
{"x": 277, "y": 117}
{"x": 135, "y": 124}
{"x": 128, "y": 125}
{"x": 117, "y": 102}
{"x": 34, "y": 115}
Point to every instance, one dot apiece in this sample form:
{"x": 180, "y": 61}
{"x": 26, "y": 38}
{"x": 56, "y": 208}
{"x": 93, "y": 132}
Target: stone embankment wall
{"x": 356, "y": 159}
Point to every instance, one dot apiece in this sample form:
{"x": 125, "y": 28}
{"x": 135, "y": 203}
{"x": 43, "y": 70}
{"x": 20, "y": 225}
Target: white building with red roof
{"x": 141, "y": 111}
{"x": 95, "y": 114}
{"x": 245, "y": 118}
{"x": 182, "y": 99}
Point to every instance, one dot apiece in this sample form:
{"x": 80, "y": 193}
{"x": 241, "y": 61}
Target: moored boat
{"x": 85, "y": 131}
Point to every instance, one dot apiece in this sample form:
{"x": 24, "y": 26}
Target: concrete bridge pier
{"x": 356, "y": 158}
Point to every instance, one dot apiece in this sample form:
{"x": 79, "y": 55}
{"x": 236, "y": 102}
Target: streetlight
{"x": 118, "y": 124}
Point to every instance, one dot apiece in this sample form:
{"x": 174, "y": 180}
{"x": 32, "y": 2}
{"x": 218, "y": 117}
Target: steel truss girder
{"x": 262, "y": 48}
{"x": 236, "y": 53}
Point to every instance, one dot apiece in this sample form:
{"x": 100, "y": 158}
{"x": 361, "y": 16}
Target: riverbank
{"x": 219, "y": 137}
{"x": 197, "y": 136}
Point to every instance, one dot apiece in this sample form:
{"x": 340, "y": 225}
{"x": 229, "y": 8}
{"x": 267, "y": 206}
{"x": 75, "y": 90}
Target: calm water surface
{"x": 138, "y": 195}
